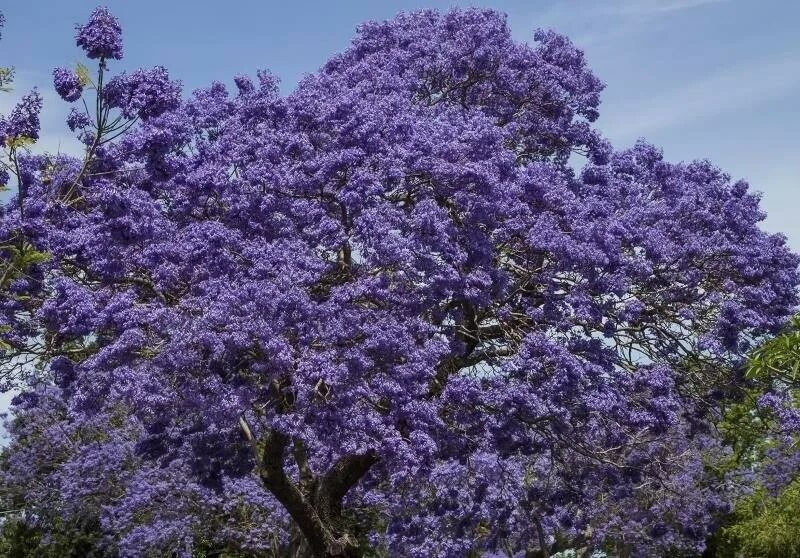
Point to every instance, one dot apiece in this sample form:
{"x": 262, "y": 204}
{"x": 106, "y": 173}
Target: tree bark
{"x": 544, "y": 548}
{"x": 315, "y": 503}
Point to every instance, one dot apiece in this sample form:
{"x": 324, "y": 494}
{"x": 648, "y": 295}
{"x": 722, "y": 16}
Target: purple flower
{"x": 394, "y": 278}
{"x": 78, "y": 120}
{"x": 101, "y": 36}
{"x": 244, "y": 84}
{"x": 23, "y": 122}
{"x": 143, "y": 93}
{"x": 67, "y": 83}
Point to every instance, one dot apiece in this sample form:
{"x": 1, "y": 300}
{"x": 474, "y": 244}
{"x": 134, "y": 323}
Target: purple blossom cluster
{"x": 67, "y": 84}
{"x": 101, "y": 36}
{"x": 78, "y": 120}
{"x": 23, "y": 120}
{"x": 383, "y": 310}
{"x": 143, "y": 94}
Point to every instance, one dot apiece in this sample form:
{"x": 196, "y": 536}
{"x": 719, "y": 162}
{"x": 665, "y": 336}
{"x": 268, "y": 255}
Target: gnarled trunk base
{"x": 315, "y": 502}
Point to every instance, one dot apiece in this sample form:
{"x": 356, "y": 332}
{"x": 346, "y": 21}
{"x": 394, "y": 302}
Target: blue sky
{"x": 717, "y": 79}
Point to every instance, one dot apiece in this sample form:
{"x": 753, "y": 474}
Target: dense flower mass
{"x": 67, "y": 84}
{"x": 244, "y": 84}
{"x": 101, "y": 36}
{"x": 382, "y": 314}
{"x": 144, "y": 93}
{"x": 23, "y": 120}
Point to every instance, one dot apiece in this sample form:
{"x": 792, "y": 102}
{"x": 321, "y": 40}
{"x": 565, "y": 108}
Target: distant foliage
{"x": 764, "y": 429}
{"x": 765, "y": 526}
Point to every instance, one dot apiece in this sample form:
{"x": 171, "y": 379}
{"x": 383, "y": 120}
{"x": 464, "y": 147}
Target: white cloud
{"x": 590, "y": 22}
{"x": 730, "y": 89}
{"x": 643, "y": 7}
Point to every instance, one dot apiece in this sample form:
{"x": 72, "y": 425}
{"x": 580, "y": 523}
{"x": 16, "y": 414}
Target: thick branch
{"x": 466, "y": 334}
{"x": 316, "y": 504}
{"x": 307, "y": 478}
{"x": 346, "y": 473}
{"x": 544, "y": 548}
{"x": 275, "y": 480}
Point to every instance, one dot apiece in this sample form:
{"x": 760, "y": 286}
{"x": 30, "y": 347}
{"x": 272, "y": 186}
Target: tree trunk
{"x": 315, "y": 502}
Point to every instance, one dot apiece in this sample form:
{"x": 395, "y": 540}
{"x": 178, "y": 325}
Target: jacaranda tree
{"x": 380, "y": 315}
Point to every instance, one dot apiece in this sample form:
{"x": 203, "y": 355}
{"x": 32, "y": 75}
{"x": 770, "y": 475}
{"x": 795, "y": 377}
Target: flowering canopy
{"x": 382, "y": 312}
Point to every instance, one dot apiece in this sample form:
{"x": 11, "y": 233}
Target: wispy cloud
{"x": 629, "y": 16}
{"x": 591, "y": 22}
{"x": 644, "y": 7}
{"x": 731, "y": 89}
{"x": 585, "y": 9}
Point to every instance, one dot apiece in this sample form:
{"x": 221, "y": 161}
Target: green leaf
{"x": 84, "y": 75}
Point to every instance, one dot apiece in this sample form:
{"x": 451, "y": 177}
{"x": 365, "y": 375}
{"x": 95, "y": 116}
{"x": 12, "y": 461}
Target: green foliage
{"x": 745, "y": 428}
{"x": 774, "y": 365}
{"x": 17, "y": 260}
{"x": 19, "y": 540}
{"x": 779, "y": 358}
{"x": 19, "y": 142}
{"x": 84, "y": 75}
{"x": 762, "y": 525}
